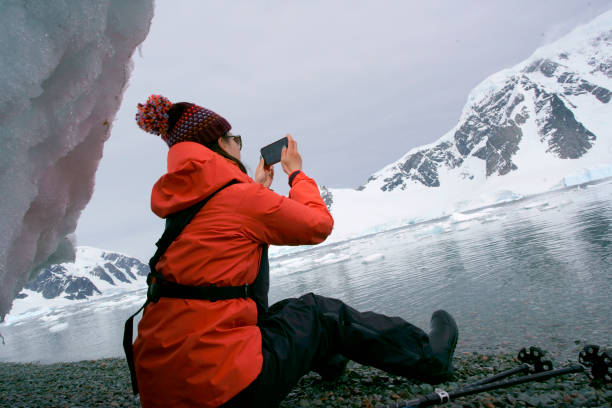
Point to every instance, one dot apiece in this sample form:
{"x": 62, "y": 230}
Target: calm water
{"x": 532, "y": 272}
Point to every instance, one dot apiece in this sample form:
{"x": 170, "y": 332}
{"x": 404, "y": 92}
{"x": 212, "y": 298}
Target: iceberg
{"x": 587, "y": 175}
{"x": 64, "y": 68}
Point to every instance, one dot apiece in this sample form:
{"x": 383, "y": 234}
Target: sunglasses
{"x": 237, "y": 139}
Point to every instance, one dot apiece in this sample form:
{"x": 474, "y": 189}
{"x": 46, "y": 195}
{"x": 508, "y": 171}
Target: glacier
{"x": 65, "y": 66}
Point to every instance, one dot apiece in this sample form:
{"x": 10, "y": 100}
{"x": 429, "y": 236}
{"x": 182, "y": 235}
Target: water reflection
{"x": 597, "y": 227}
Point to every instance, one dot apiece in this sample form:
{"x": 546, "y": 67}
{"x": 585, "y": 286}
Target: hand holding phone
{"x": 264, "y": 174}
{"x": 290, "y": 157}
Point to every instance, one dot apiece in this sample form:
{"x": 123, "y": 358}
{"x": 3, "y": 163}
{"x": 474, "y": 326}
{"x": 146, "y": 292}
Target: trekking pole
{"x": 601, "y": 371}
{"x": 523, "y": 368}
{"x": 533, "y": 356}
{"x": 533, "y": 362}
{"x": 440, "y": 396}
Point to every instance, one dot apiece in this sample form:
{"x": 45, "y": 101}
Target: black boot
{"x": 334, "y": 368}
{"x": 443, "y": 340}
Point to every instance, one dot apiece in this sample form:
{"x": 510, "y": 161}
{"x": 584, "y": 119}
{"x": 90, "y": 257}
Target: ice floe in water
{"x": 333, "y": 258}
{"x": 536, "y": 204}
{"x": 58, "y": 327}
{"x": 306, "y": 263}
{"x": 373, "y": 258}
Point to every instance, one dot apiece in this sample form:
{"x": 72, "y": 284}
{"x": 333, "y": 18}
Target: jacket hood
{"x": 194, "y": 172}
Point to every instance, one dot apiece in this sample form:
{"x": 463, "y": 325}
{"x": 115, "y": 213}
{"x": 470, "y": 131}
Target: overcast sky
{"x": 357, "y": 84}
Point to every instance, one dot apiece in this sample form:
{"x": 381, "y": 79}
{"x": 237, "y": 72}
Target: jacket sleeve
{"x": 301, "y": 219}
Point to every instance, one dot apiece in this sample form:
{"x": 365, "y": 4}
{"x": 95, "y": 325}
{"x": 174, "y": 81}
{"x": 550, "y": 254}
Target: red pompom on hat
{"x": 152, "y": 117}
{"x": 196, "y": 124}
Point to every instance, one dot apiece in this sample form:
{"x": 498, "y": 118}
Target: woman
{"x": 225, "y": 348}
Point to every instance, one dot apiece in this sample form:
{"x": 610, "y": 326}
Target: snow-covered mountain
{"x": 554, "y": 106}
{"x": 94, "y": 273}
{"x": 542, "y": 124}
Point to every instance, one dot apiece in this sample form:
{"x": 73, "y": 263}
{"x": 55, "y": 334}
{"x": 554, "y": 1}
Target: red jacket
{"x": 201, "y": 353}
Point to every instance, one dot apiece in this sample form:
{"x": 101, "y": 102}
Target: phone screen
{"x": 272, "y": 152}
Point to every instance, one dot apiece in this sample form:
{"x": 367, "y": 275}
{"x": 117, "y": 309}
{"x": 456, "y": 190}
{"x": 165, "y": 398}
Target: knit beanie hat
{"x": 181, "y": 122}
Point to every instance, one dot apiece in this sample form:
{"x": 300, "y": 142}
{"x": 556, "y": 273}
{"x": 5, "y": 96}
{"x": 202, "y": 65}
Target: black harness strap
{"x": 212, "y": 292}
{"x": 175, "y": 223}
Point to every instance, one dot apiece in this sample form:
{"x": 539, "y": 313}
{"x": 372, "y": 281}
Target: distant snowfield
{"x": 53, "y": 311}
{"x": 363, "y": 212}
{"x": 360, "y": 213}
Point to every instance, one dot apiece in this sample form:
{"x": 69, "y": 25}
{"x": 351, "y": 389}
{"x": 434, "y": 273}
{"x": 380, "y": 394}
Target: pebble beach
{"x": 105, "y": 383}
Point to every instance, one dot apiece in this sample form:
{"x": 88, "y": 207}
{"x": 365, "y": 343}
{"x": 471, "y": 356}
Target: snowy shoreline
{"x": 572, "y": 182}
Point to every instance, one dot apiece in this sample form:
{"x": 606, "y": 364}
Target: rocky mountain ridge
{"x": 93, "y": 272}
{"x": 547, "y": 100}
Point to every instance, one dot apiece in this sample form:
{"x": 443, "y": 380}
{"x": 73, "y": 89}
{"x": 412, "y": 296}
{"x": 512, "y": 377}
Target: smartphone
{"x": 272, "y": 152}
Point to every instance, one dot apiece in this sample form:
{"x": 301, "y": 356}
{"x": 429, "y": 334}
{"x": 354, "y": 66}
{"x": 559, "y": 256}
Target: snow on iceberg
{"x": 64, "y": 70}
{"x": 587, "y": 175}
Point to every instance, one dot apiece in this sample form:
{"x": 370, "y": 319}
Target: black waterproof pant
{"x": 301, "y": 335}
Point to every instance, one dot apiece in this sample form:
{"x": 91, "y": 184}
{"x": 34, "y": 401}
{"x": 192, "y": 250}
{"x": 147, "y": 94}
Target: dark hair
{"x": 219, "y": 150}
{"x": 175, "y": 113}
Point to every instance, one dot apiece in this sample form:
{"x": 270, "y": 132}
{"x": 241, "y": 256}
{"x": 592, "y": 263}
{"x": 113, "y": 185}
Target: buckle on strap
{"x": 443, "y": 395}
